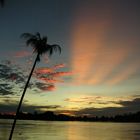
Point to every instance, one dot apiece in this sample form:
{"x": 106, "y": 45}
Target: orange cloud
{"x": 22, "y": 54}
{"x": 49, "y": 70}
{"x": 59, "y": 74}
{"x": 95, "y": 57}
{"x": 43, "y": 70}
{"x": 108, "y": 63}
{"x": 48, "y": 88}
{"x": 51, "y": 88}
{"x": 59, "y": 66}
{"x": 50, "y": 76}
{"x": 50, "y": 80}
{"x": 88, "y": 37}
{"x": 124, "y": 74}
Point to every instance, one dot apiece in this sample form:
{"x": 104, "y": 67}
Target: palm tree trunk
{"x": 24, "y": 91}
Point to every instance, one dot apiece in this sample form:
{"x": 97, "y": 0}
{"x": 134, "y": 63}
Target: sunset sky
{"x": 98, "y": 72}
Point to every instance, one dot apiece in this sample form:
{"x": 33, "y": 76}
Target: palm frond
{"x": 2, "y": 2}
{"x": 31, "y": 41}
{"x": 38, "y": 35}
{"x": 40, "y": 45}
{"x": 53, "y": 48}
{"x": 27, "y": 35}
{"x": 44, "y": 39}
{"x": 56, "y": 48}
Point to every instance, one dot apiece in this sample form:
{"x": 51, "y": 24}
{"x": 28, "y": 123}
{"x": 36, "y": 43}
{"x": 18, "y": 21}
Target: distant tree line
{"x": 50, "y": 116}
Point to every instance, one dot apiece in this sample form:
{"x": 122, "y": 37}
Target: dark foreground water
{"x": 48, "y": 130}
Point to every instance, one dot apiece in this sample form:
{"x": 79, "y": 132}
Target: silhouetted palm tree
{"x": 2, "y": 2}
{"x": 40, "y": 47}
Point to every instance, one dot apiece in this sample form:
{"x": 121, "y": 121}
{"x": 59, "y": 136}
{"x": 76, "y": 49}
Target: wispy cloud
{"x": 107, "y": 63}
{"x": 124, "y": 105}
{"x": 51, "y": 75}
{"x": 9, "y": 77}
{"x": 48, "y": 88}
{"x": 47, "y": 80}
{"x": 13, "y": 78}
{"x": 9, "y": 105}
{"x": 124, "y": 74}
{"x": 96, "y": 54}
{"x": 62, "y": 65}
{"x": 62, "y": 73}
{"x": 99, "y": 101}
{"x": 22, "y": 54}
{"x": 43, "y": 70}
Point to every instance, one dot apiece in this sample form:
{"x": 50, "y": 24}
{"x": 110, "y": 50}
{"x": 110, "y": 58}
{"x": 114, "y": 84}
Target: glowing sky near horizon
{"x": 99, "y": 66}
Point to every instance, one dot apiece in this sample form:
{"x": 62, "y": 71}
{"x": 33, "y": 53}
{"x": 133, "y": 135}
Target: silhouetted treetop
{"x": 40, "y": 44}
{"x": 2, "y": 3}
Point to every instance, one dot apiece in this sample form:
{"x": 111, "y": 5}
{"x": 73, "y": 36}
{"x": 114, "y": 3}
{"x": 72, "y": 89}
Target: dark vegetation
{"x": 50, "y": 116}
{"x": 2, "y": 3}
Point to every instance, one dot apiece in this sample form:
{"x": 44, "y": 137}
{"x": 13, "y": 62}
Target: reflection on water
{"x": 49, "y": 130}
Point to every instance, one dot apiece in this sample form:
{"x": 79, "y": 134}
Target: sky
{"x": 98, "y": 71}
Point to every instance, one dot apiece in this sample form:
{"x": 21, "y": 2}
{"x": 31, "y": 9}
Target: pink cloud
{"x": 49, "y": 80}
{"x": 94, "y": 57}
{"x": 124, "y": 74}
{"x": 49, "y": 70}
{"x": 59, "y": 74}
{"x": 43, "y": 70}
{"x": 59, "y": 66}
{"x": 22, "y": 54}
{"x": 50, "y": 76}
{"x": 48, "y": 88}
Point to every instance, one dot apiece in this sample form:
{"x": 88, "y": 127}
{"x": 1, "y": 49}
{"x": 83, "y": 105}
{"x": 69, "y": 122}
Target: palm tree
{"x": 2, "y": 2}
{"x": 40, "y": 47}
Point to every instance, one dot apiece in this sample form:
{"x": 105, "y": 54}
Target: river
{"x": 55, "y": 130}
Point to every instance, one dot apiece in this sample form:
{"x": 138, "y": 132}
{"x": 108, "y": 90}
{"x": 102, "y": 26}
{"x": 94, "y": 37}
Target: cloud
{"x": 9, "y": 105}
{"x": 97, "y": 52}
{"x": 59, "y": 66}
{"x": 10, "y": 75}
{"x": 107, "y": 63}
{"x": 124, "y": 74}
{"x": 48, "y": 88}
{"x": 109, "y": 105}
{"x": 59, "y": 74}
{"x": 44, "y": 86}
{"x": 5, "y": 90}
{"x": 100, "y": 101}
{"x": 47, "y": 80}
{"x": 49, "y": 107}
{"x": 130, "y": 104}
{"x": 11, "y": 72}
{"x": 13, "y": 78}
{"x": 126, "y": 107}
{"x": 89, "y": 99}
{"x": 50, "y": 76}
{"x": 48, "y": 70}
{"x": 110, "y": 111}
{"x": 127, "y": 104}
{"x": 88, "y": 35}
{"x": 43, "y": 70}
{"x": 21, "y": 54}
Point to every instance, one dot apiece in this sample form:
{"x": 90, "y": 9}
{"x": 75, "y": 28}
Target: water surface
{"x": 54, "y": 130}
